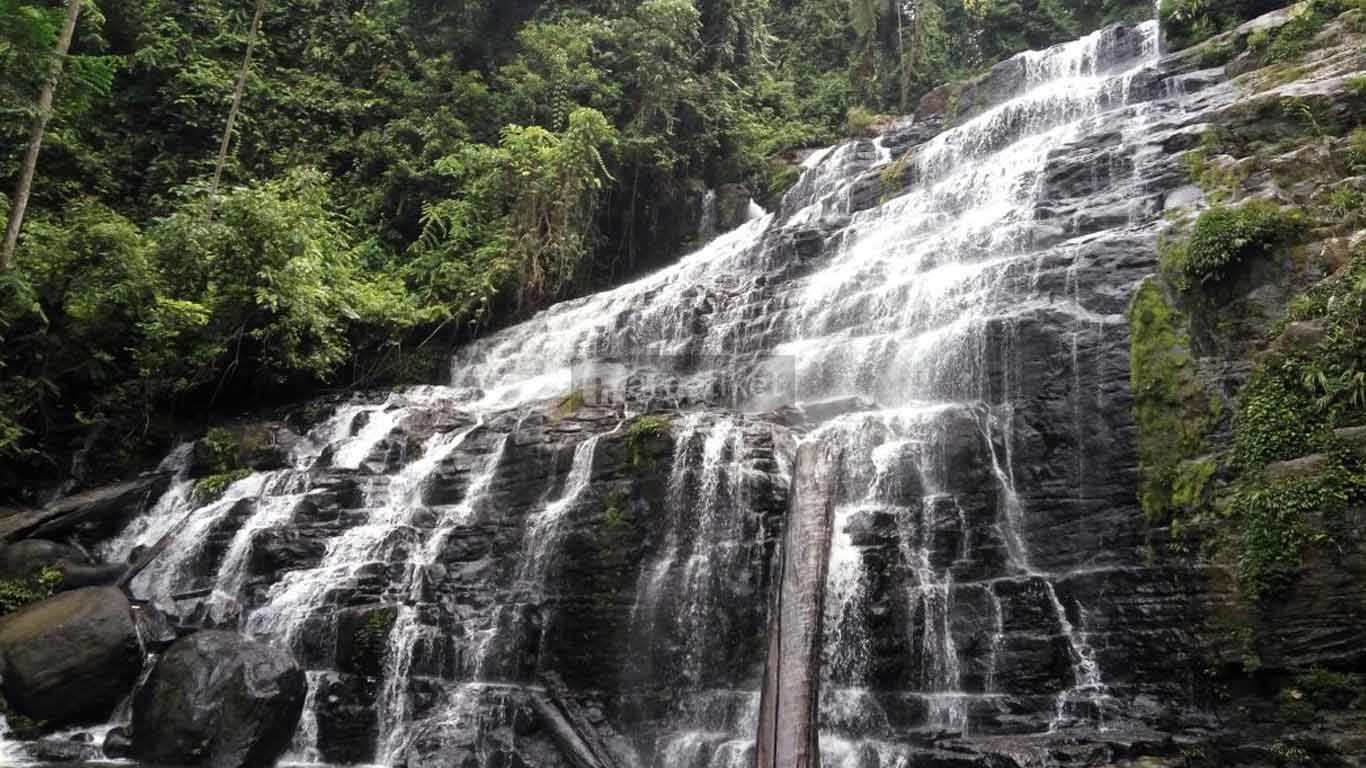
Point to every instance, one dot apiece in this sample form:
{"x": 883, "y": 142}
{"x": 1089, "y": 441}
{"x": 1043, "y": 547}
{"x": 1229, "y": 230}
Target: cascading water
{"x": 921, "y": 328}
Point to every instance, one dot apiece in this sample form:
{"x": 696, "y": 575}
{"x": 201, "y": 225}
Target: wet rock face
{"x": 70, "y": 658}
{"x": 217, "y": 700}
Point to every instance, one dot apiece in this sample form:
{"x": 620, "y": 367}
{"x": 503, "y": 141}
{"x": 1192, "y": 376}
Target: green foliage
{"x": 211, "y": 488}
{"x": 271, "y": 269}
{"x": 1187, "y": 22}
{"x": 644, "y": 440}
{"x": 1276, "y": 420}
{"x": 615, "y": 508}
{"x": 1327, "y": 690}
{"x": 1356, "y": 150}
{"x": 1171, "y": 406}
{"x": 18, "y": 593}
{"x": 221, "y": 448}
{"x": 1275, "y": 527}
{"x": 1219, "y": 181}
{"x": 1343, "y": 202}
{"x": 1291, "y": 41}
{"x": 1329, "y": 383}
{"x": 1288, "y": 410}
{"x": 1357, "y": 85}
{"x": 893, "y": 176}
{"x": 1217, "y": 55}
{"x": 1225, "y": 237}
{"x": 370, "y": 641}
{"x": 859, "y": 120}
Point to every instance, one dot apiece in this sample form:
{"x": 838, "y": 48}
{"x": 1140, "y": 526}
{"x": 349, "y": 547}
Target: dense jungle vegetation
{"x": 239, "y": 202}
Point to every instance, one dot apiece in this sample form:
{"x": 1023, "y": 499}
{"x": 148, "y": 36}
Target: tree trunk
{"x": 236, "y": 100}
{"x": 35, "y": 137}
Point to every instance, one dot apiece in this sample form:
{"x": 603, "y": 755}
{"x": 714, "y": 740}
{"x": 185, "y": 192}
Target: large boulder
{"x": 71, "y": 658}
{"x": 218, "y": 699}
{"x": 22, "y": 559}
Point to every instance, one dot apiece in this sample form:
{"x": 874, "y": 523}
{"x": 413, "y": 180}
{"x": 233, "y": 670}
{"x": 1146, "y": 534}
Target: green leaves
{"x": 1225, "y": 237}
{"x": 276, "y": 267}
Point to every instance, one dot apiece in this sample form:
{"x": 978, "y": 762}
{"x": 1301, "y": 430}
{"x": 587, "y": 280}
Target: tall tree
{"x": 24, "y": 187}
{"x": 237, "y": 98}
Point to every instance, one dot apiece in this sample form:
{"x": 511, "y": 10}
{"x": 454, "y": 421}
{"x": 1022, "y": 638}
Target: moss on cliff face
{"x": 1262, "y": 297}
{"x": 1173, "y": 410}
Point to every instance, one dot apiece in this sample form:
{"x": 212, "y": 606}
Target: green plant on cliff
{"x": 893, "y": 176}
{"x": 220, "y": 448}
{"x": 211, "y": 488}
{"x": 1288, "y": 410}
{"x": 1292, "y": 39}
{"x": 644, "y": 440}
{"x": 614, "y": 509}
{"x": 1275, "y": 528}
{"x": 219, "y": 451}
{"x": 1356, "y": 150}
{"x": 17, "y": 593}
{"x": 1171, "y": 406}
{"x": 1276, "y": 420}
{"x": 1224, "y": 237}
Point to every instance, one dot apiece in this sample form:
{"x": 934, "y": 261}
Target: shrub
{"x": 220, "y": 448}
{"x": 1330, "y": 690}
{"x": 1356, "y": 150}
{"x": 17, "y": 593}
{"x": 1224, "y": 237}
{"x": 640, "y": 439}
{"x": 859, "y": 120}
{"x": 1276, "y": 420}
{"x": 211, "y": 488}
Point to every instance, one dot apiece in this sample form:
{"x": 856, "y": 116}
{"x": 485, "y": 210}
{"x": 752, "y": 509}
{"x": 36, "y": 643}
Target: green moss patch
{"x": 1172, "y": 408}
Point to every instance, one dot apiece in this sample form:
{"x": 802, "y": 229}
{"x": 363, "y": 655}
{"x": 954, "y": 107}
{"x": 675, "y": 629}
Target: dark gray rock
{"x": 70, "y": 658}
{"x": 216, "y": 699}
{"x": 118, "y": 744}
{"x": 22, "y": 559}
{"x": 104, "y": 508}
{"x": 732, "y": 206}
{"x": 1302, "y": 468}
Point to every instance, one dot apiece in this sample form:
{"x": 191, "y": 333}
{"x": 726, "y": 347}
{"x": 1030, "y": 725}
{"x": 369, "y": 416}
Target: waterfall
{"x": 920, "y": 594}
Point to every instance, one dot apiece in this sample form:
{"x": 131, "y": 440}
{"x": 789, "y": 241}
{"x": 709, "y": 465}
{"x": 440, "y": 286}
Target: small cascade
{"x": 707, "y": 220}
{"x": 703, "y": 562}
{"x": 303, "y": 749}
{"x": 12, "y": 753}
{"x": 542, "y": 538}
{"x": 409, "y": 634}
{"x": 390, "y": 506}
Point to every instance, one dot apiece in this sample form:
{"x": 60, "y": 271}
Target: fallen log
{"x": 147, "y": 556}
